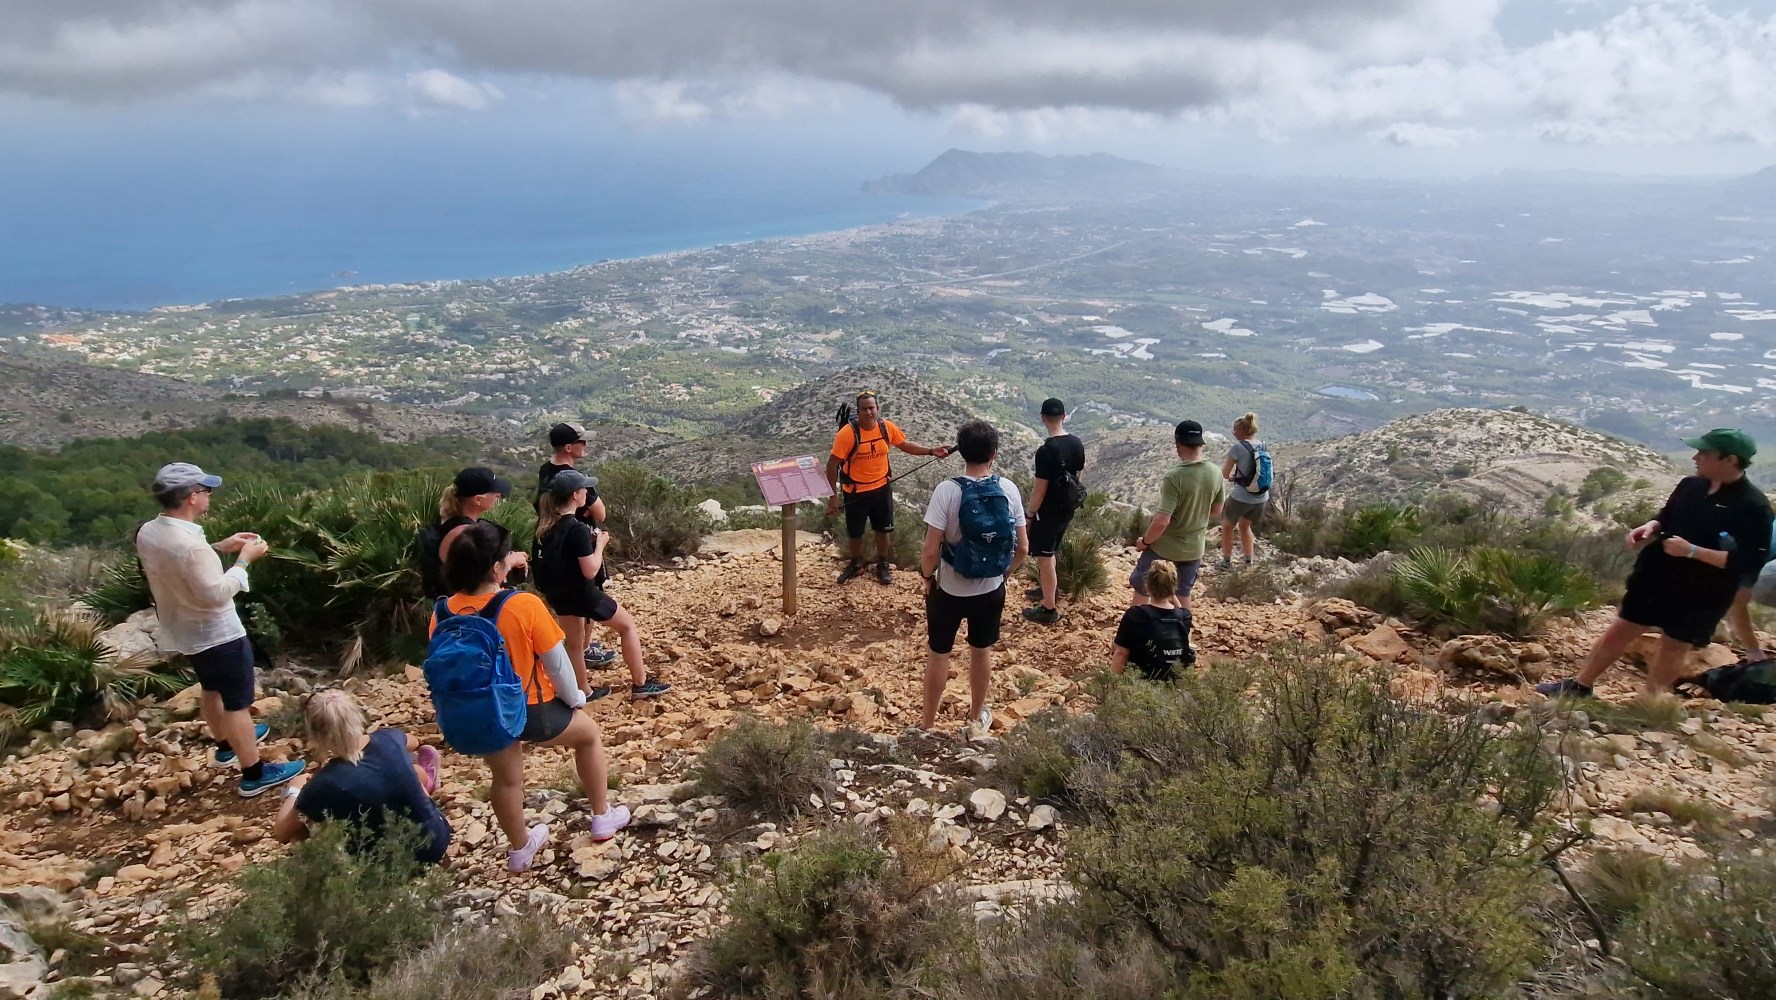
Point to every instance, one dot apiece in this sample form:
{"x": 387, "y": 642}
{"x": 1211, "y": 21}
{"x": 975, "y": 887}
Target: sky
{"x": 1370, "y": 87}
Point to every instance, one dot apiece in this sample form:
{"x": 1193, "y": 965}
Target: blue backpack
{"x": 988, "y": 534}
{"x": 480, "y": 702}
{"x": 1259, "y": 480}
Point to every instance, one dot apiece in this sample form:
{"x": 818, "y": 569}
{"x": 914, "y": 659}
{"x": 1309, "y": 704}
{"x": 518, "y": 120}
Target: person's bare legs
{"x": 937, "y": 675}
{"x": 574, "y": 627}
{"x": 1667, "y": 664}
{"x": 980, "y": 675}
{"x": 234, "y": 727}
{"x": 1049, "y": 579}
{"x": 884, "y": 548}
{"x": 1226, "y": 540}
{"x": 590, "y": 764}
{"x": 1608, "y": 649}
{"x": 1739, "y": 620}
{"x": 1248, "y": 540}
{"x": 507, "y": 797}
{"x": 623, "y": 623}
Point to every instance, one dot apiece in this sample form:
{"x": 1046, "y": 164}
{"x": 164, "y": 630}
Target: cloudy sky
{"x": 1372, "y": 86}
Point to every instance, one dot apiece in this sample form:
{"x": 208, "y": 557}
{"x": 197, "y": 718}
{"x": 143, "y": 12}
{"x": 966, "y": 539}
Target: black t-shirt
{"x": 548, "y": 471}
{"x": 556, "y": 561}
{"x": 1158, "y": 639}
{"x": 1057, "y": 455}
{"x": 377, "y": 787}
{"x": 1738, "y": 509}
{"x": 431, "y": 557}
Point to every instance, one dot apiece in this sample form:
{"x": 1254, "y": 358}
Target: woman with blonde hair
{"x": 569, "y": 574}
{"x": 1247, "y": 471}
{"x": 471, "y": 495}
{"x": 1155, "y": 635}
{"x": 368, "y": 779}
{"x": 555, "y": 715}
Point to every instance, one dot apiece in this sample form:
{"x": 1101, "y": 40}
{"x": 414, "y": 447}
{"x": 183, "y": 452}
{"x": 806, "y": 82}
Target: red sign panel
{"x": 791, "y": 480}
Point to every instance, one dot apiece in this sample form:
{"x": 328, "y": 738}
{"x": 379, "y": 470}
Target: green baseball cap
{"x": 1725, "y": 441}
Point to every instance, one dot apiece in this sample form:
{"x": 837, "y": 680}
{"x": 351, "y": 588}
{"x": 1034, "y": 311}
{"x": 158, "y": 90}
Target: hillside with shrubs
{"x": 1355, "y": 794}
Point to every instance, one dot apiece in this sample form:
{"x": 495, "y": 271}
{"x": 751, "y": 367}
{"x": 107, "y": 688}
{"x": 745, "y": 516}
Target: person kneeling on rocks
{"x": 1713, "y": 531}
{"x": 476, "y": 574}
{"x": 369, "y": 779}
{"x": 1155, "y": 636}
{"x": 569, "y": 564}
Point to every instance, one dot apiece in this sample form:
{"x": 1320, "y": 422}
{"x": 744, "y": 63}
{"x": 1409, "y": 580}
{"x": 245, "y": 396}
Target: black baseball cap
{"x": 567, "y": 481}
{"x": 1052, "y": 407}
{"x": 472, "y": 482}
{"x": 1188, "y": 433}
{"x": 563, "y": 434}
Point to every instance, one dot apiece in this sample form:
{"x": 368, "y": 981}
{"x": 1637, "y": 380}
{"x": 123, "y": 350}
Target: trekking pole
{"x": 890, "y": 481}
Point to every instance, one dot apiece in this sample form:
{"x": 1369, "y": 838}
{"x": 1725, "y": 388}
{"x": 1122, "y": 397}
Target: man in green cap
{"x": 1712, "y": 532}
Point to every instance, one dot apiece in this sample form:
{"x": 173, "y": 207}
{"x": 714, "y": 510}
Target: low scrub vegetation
{"x": 1708, "y": 930}
{"x": 1490, "y": 590}
{"x": 651, "y": 517}
{"x": 501, "y": 961}
{"x": 768, "y": 767}
{"x": 55, "y": 669}
{"x": 331, "y": 910}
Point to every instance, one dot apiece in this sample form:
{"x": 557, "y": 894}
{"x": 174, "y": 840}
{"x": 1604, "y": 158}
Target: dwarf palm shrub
{"x": 55, "y": 669}
{"x": 1491, "y": 590}
{"x": 1079, "y": 565}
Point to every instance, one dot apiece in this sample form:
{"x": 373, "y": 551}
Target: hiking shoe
{"x": 1042, "y": 615}
{"x": 884, "y": 574}
{"x": 653, "y": 687}
{"x": 226, "y": 755}
{"x": 272, "y": 776}
{"x": 1224, "y": 564}
{"x": 978, "y": 727}
{"x": 601, "y": 691}
{"x": 427, "y": 759}
{"x": 606, "y": 826}
{"x": 521, "y": 859}
{"x": 1569, "y": 688}
{"x": 598, "y": 655}
{"x": 851, "y": 569}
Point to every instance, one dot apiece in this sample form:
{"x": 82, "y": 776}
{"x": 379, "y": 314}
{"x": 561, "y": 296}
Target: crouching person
{"x": 369, "y": 779}
{"x": 1155, "y": 636}
{"x": 553, "y": 716}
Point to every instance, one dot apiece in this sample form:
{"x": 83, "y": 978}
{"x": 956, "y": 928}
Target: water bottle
{"x": 1728, "y": 543}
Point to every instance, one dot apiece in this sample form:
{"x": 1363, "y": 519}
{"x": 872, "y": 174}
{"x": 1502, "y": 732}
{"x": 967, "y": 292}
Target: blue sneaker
{"x": 599, "y": 656}
{"x": 273, "y": 776}
{"x": 653, "y": 687}
{"x": 226, "y": 755}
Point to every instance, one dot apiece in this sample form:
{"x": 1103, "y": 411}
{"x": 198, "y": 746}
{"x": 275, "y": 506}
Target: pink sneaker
{"x": 606, "y": 826}
{"x": 427, "y": 759}
{"x": 521, "y": 859}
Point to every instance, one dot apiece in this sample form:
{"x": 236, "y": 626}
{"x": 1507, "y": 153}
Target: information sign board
{"x": 791, "y": 480}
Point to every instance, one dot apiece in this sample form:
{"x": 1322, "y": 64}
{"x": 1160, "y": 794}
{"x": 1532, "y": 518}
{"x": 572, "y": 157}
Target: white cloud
{"x": 447, "y": 90}
{"x": 1420, "y": 134}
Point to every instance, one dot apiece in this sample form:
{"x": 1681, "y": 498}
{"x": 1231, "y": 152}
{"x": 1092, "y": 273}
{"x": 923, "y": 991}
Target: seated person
{"x": 368, "y": 778}
{"x": 1155, "y": 636}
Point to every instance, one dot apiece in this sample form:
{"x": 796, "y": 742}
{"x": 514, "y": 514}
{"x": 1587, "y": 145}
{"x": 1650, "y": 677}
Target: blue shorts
{"x": 226, "y": 669}
{"x": 1187, "y": 571}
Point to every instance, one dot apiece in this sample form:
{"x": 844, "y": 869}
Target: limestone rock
{"x": 770, "y": 626}
{"x": 1041, "y": 818}
{"x": 134, "y": 637}
{"x": 1383, "y": 644}
{"x": 987, "y": 804}
{"x": 713, "y": 508}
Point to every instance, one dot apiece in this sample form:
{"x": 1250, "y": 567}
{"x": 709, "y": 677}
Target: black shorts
{"x": 876, "y": 506}
{"x": 226, "y": 670}
{"x": 545, "y": 720}
{"x": 1046, "y": 530}
{"x": 945, "y": 613}
{"x": 1655, "y": 602}
{"x": 583, "y": 602}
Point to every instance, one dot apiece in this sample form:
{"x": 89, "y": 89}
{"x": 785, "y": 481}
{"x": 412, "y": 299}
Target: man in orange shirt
{"x": 858, "y": 471}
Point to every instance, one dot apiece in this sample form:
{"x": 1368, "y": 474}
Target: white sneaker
{"x": 979, "y": 728}
{"x": 605, "y": 826}
{"x": 521, "y": 859}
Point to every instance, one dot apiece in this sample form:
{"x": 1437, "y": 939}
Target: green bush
{"x": 1061, "y": 952}
{"x": 649, "y": 516}
{"x": 55, "y": 668}
{"x": 1293, "y": 829}
{"x": 842, "y": 916}
{"x": 1258, "y": 582}
{"x": 1376, "y": 528}
{"x": 1601, "y": 482}
{"x": 331, "y": 909}
{"x": 501, "y": 961}
{"x": 1079, "y": 566}
{"x": 769, "y": 767}
{"x": 1711, "y": 932}
{"x": 1490, "y": 590}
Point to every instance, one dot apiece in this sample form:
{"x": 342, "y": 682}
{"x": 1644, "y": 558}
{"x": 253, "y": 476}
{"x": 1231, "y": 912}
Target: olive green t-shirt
{"x": 1190, "y": 491}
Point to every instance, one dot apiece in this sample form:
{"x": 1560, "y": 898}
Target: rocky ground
{"x": 120, "y": 829}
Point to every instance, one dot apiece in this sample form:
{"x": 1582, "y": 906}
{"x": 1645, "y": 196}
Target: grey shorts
{"x": 1236, "y": 511}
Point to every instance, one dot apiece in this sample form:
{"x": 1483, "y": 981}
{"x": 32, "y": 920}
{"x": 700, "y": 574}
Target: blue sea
{"x": 131, "y": 225}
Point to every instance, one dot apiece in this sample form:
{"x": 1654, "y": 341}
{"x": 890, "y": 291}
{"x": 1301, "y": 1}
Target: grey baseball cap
{"x": 567, "y": 481}
{"x": 179, "y": 475}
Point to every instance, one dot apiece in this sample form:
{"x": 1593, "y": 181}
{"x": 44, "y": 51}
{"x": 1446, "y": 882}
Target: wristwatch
{"x": 1692, "y": 552}
{"x": 291, "y": 791}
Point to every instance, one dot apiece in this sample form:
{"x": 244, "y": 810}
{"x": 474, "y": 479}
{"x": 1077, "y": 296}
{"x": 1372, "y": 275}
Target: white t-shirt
{"x": 944, "y": 514}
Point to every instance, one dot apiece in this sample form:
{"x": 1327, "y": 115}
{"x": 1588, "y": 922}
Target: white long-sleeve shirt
{"x": 193, "y": 596}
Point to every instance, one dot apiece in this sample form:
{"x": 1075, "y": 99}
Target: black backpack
{"x": 845, "y": 417}
{"x": 1167, "y": 645}
{"x": 1746, "y": 683}
{"x": 425, "y": 557}
{"x": 1075, "y": 494}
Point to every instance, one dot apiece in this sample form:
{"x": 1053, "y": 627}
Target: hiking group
{"x": 508, "y": 668}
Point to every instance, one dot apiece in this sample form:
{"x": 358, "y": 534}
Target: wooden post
{"x": 789, "y": 559}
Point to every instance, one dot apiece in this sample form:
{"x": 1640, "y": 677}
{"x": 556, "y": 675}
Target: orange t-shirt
{"x": 868, "y": 468}
{"x": 529, "y": 630}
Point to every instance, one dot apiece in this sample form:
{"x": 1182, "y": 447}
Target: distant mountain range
{"x": 958, "y": 173}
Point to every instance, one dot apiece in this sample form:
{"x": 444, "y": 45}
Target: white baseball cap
{"x": 179, "y": 475}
